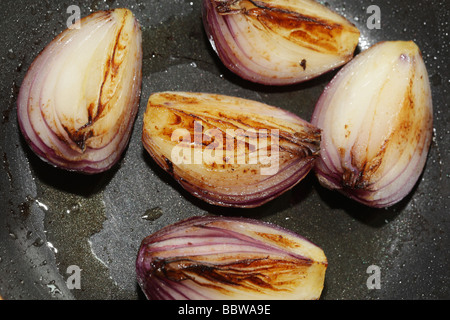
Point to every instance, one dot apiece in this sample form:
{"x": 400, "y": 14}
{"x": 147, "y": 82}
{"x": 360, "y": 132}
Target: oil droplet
{"x": 25, "y": 208}
{"x": 52, "y": 247}
{"x": 42, "y": 205}
{"x": 436, "y": 79}
{"x": 74, "y": 208}
{"x": 54, "y": 290}
{"x": 38, "y": 242}
{"x": 11, "y": 55}
{"x": 152, "y": 214}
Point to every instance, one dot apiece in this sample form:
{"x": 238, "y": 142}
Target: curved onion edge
{"x": 97, "y": 164}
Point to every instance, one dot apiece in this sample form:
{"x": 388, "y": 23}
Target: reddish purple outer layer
{"x": 155, "y": 287}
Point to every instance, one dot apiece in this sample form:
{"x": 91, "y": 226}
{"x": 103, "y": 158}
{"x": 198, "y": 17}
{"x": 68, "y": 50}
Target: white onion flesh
{"x": 228, "y": 151}
{"x": 376, "y": 119}
{"x": 78, "y": 101}
{"x": 221, "y": 258}
{"x": 278, "y": 42}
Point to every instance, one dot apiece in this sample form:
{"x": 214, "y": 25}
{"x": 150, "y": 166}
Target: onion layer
{"x": 228, "y": 151}
{"x": 278, "y": 42}
{"x": 229, "y": 258}
{"x": 377, "y": 119}
{"x": 79, "y": 99}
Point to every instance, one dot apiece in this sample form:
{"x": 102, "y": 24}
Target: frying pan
{"x": 52, "y": 221}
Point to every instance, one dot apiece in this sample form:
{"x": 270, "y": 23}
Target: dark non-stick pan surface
{"x": 51, "y": 220}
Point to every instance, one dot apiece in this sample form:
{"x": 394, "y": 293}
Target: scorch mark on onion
{"x": 228, "y": 151}
{"x": 79, "y": 99}
{"x": 278, "y": 42}
{"x": 377, "y": 122}
{"x": 213, "y": 257}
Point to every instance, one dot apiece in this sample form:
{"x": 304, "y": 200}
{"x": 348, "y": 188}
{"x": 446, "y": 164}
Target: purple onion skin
{"x": 212, "y": 257}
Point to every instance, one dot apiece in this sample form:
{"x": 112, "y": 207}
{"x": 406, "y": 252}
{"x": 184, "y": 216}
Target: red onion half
{"x": 228, "y": 151}
{"x": 377, "y": 120}
{"x": 79, "y": 98}
{"x": 278, "y": 42}
{"x": 229, "y": 258}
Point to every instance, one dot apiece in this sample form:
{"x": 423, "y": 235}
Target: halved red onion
{"x": 79, "y": 99}
{"x": 278, "y": 42}
{"x": 376, "y": 118}
{"x": 228, "y": 151}
{"x": 216, "y": 258}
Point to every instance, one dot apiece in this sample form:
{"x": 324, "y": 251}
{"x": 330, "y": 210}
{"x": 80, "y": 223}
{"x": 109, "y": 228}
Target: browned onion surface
{"x": 278, "y": 42}
{"x": 244, "y": 171}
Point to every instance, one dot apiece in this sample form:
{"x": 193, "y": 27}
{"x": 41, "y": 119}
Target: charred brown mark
{"x": 414, "y": 124}
{"x": 311, "y": 32}
{"x": 176, "y": 119}
{"x": 169, "y": 165}
{"x": 406, "y": 125}
{"x": 171, "y": 97}
{"x": 310, "y": 137}
{"x": 251, "y": 274}
{"x": 95, "y": 110}
{"x": 303, "y": 64}
{"x": 362, "y": 177}
{"x": 228, "y": 6}
{"x": 111, "y": 70}
{"x": 278, "y": 238}
{"x": 80, "y": 136}
{"x": 305, "y": 143}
